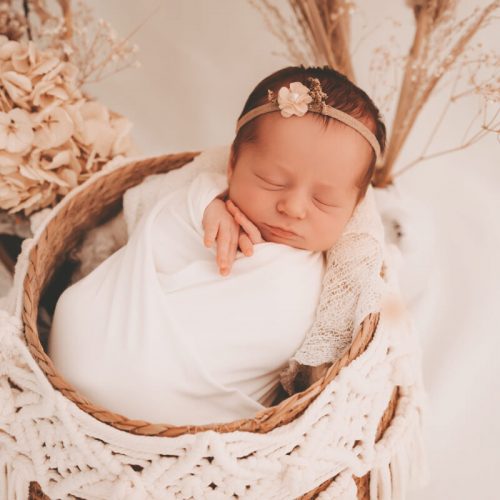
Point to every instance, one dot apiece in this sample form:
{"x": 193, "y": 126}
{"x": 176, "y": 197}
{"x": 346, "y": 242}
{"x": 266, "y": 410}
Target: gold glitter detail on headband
{"x": 271, "y": 97}
{"x": 317, "y": 94}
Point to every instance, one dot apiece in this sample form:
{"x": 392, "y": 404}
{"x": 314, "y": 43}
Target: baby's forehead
{"x": 309, "y": 134}
{"x": 328, "y": 178}
{"x": 336, "y": 156}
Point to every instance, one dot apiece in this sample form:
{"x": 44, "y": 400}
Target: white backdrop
{"x": 201, "y": 59}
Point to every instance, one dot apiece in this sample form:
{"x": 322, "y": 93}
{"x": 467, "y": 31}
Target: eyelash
{"x": 279, "y": 186}
{"x": 325, "y": 204}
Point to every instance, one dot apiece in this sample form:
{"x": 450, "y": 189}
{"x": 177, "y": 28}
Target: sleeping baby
{"x": 170, "y": 339}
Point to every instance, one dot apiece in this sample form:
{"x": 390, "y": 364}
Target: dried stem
{"x": 443, "y": 114}
{"x": 486, "y": 128}
{"x": 467, "y": 130}
{"x": 26, "y": 11}
{"x": 319, "y": 35}
{"x": 438, "y": 43}
{"x": 68, "y": 21}
{"x": 406, "y": 96}
{"x": 415, "y": 92}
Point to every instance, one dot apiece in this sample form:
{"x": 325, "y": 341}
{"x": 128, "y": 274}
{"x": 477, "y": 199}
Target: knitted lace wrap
{"x": 352, "y": 286}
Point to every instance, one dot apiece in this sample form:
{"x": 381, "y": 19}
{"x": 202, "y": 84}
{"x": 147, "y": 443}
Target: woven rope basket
{"x": 92, "y": 205}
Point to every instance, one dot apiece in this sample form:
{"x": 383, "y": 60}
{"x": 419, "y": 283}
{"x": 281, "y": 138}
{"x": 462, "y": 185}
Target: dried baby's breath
{"x": 316, "y": 32}
{"x": 91, "y": 44}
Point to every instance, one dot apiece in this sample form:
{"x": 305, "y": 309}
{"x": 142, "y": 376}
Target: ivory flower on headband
{"x": 299, "y": 99}
{"x": 294, "y": 101}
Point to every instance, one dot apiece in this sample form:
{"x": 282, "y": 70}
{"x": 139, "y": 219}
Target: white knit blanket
{"x": 48, "y": 439}
{"x": 178, "y": 342}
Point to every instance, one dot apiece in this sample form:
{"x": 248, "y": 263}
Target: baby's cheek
{"x": 252, "y": 203}
{"x": 333, "y": 235}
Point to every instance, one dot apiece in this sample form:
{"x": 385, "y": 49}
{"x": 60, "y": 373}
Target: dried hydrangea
{"x": 52, "y": 136}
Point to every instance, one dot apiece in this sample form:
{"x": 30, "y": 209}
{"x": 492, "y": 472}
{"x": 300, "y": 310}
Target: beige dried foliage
{"x": 52, "y": 136}
{"x": 77, "y": 36}
{"x": 316, "y": 33}
{"x": 12, "y": 21}
{"x": 441, "y": 46}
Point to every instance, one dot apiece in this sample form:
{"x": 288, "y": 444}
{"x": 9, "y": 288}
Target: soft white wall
{"x": 199, "y": 62}
{"x": 201, "y": 59}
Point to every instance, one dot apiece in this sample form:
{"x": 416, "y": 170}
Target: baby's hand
{"x": 220, "y": 225}
{"x": 252, "y": 235}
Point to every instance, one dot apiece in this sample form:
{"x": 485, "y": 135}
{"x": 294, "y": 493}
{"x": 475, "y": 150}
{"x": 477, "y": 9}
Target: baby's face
{"x": 301, "y": 178}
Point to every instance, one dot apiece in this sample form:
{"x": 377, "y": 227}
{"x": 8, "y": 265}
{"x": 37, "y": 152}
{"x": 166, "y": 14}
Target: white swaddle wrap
{"x": 156, "y": 333}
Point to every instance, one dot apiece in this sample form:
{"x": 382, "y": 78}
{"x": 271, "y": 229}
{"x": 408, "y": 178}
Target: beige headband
{"x": 295, "y": 101}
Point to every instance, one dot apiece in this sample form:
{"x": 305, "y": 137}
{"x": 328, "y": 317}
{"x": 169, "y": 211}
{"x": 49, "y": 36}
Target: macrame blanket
{"x": 47, "y": 438}
{"x": 168, "y": 338}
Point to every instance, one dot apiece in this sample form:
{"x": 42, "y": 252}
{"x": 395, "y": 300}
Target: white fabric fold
{"x": 156, "y": 333}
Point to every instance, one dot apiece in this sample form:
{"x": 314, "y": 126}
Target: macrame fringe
{"x": 14, "y": 485}
{"x": 342, "y": 488}
{"x": 406, "y": 470}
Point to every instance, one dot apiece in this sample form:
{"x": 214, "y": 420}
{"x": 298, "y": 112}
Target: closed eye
{"x": 326, "y": 204}
{"x": 269, "y": 182}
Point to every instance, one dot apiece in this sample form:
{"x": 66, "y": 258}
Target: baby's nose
{"x": 293, "y": 206}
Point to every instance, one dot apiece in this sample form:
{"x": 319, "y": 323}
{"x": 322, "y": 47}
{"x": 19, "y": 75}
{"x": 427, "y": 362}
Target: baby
{"x": 166, "y": 340}
{"x": 295, "y": 181}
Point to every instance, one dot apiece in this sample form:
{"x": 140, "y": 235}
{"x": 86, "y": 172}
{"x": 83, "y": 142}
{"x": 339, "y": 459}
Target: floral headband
{"x": 296, "y": 101}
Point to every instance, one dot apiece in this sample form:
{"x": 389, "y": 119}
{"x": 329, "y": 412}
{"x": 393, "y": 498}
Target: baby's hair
{"x": 341, "y": 94}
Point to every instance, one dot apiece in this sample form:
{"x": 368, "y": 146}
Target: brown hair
{"x": 341, "y": 94}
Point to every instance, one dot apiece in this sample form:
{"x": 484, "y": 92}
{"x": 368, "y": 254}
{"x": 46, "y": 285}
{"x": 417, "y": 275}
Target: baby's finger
{"x": 246, "y": 245}
{"x": 223, "y": 242}
{"x": 210, "y": 233}
{"x": 233, "y": 246}
{"x": 250, "y": 228}
{"x": 228, "y": 247}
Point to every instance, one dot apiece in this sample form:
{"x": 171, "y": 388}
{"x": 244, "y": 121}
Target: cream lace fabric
{"x": 352, "y": 285}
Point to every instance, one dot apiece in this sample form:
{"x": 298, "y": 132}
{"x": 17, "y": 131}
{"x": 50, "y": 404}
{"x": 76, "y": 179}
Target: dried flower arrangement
{"x": 318, "y": 33}
{"x": 52, "y": 135}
